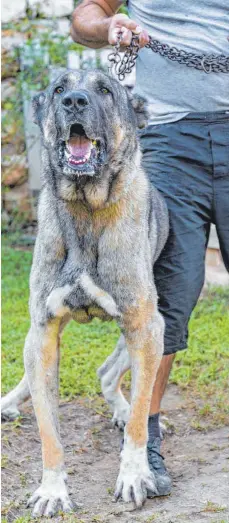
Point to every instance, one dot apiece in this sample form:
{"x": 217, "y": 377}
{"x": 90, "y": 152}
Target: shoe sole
{"x": 160, "y": 494}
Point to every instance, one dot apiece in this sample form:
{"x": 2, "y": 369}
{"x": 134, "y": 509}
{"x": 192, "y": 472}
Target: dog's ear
{"x": 139, "y": 105}
{"x": 37, "y": 102}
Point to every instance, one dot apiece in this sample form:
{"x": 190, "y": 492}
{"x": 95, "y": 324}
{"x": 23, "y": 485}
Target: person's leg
{"x": 177, "y": 160}
{"x": 219, "y": 132}
{"x": 161, "y": 382}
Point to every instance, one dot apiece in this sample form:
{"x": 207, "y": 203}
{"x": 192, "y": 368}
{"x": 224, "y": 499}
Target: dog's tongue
{"x": 79, "y": 146}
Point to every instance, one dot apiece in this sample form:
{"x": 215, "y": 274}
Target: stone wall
{"x": 19, "y": 17}
{"x": 16, "y": 9}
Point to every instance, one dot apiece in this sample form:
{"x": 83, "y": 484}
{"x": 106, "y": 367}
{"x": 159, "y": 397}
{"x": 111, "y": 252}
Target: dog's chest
{"x": 88, "y": 246}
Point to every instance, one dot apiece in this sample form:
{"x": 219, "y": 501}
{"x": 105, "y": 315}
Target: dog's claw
{"x": 50, "y": 496}
{"x": 118, "y": 492}
{"x": 121, "y": 414}
{"x": 120, "y": 424}
{"x": 134, "y": 489}
{"x": 44, "y": 506}
{"x": 10, "y": 414}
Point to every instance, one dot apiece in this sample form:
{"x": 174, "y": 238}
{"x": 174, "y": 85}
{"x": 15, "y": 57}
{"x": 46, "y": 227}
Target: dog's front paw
{"x": 51, "y": 496}
{"x": 55, "y": 302}
{"x": 135, "y": 477}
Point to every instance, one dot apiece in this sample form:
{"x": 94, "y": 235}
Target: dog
{"x": 101, "y": 227}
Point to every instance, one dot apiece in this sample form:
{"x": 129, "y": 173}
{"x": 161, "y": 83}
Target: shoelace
{"x": 152, "y": 451}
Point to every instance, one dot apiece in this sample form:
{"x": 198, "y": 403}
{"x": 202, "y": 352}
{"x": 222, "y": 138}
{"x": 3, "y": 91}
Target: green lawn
{"x": 204, "y": 368}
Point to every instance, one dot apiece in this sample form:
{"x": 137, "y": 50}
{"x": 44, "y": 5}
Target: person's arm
{"x": 95, "y": 24}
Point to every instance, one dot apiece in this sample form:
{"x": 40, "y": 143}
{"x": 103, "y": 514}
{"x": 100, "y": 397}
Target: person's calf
{"x": 155, "y": 458}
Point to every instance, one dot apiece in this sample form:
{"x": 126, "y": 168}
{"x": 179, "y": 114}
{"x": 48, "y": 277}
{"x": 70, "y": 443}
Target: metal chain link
{"x": 122, "y": 65}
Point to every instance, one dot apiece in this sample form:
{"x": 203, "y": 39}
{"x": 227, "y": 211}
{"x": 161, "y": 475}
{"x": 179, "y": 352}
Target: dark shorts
{"x": 188, "y": 162}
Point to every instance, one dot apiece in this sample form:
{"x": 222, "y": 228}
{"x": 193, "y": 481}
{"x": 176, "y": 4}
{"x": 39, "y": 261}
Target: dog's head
{"x": 87, "y": 120}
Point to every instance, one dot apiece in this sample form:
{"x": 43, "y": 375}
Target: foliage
{"x": 203, "y": 369}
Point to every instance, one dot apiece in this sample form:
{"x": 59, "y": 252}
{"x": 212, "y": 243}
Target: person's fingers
{"x": 126, "y": 37}
{"x": 124, "y": 21}
{"x": 143, "y": 38}
{"x": 128, "y": 27}
{"x": 121, "y": 22}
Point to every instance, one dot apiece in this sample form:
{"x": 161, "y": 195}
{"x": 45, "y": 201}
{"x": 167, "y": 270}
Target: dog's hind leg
{"x": 20, "y": 394}
{"x": 41, "y": 357}
{"x": 111, "y": 373}
{"x": 9, "y": 404}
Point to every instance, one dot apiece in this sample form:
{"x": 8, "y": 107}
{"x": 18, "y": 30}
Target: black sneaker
{"x": 156, "y": 464}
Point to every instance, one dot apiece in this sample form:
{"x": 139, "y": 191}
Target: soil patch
{"x": 198, "y": 462}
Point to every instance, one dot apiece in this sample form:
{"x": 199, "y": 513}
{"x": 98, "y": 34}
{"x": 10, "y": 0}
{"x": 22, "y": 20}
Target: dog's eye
{"x": 59, "y": 89}
{"x": 104, "y": 90}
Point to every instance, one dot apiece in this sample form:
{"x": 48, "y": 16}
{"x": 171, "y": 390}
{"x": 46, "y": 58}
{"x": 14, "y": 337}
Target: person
{"x": 185, "y": 153}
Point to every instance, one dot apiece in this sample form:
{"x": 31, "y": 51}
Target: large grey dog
{"x": 101, "y": 228}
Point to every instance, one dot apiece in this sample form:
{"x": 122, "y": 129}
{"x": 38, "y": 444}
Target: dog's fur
{"x": 101, "y": 228}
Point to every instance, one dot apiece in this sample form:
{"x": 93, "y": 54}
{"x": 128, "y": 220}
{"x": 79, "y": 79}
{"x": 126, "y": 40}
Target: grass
{"x": 203, "y": 369}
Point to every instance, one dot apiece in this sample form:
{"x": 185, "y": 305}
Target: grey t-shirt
{"x": 174, "y": 90}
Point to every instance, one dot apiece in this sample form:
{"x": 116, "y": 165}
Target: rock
{"x": 5, "y": 217}
{"x": 8, "y": 90}
{"x": 12, "y": 132}
{"x": 51, "y": 8}
{"x": 18, "y": 198}
{"x": 12, "y": 39}
{"x": 15, "y": 9}
{"x": 63, "y": 27}
{"x": 14, "y": 170}
{"x": 10, "y": 63}
{"x": 12, "y": 10}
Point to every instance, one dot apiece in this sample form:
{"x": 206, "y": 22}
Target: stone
{"x": 18, "y": 198}
{"x": 8, "y": 89}
{"x": 10, "y": 63}
{"x": 5, "y": 219}
{"x": 12, "y": 10}
{"x": 12, "y": 132}
{"x": 14, "y": 171}
{"x": 12, "y": 39}
{"x": 62, "y": 27}
{"x": 16, "y": 9}
{"x": 52, "y": 8}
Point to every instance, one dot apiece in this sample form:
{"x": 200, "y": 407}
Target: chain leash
{"x": 123, "y": 64}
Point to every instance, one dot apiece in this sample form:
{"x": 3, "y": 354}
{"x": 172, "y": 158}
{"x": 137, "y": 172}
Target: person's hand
{"x": 123, "y": 24}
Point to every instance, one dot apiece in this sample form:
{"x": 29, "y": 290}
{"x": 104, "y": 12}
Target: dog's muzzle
{"x": 79, "y": 154}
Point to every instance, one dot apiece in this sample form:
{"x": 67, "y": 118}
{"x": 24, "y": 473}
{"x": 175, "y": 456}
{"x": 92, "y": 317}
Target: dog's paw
{"x": 51, "y": 496}
{"x": 135, "y": 477}
{"x": 121, "y": 413}
{"x": 10, "y": 413}
{"x": 133, "y": 487}
{"x": 55, "y": 302}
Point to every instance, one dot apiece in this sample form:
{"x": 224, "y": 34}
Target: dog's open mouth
{"x": 81, "y": 154}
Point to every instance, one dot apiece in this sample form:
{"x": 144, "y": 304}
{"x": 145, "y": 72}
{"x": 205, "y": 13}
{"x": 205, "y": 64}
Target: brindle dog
{"x": 101, "y": 228}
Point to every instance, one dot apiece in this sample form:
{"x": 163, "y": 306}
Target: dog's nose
{"x": 75, "y": 99}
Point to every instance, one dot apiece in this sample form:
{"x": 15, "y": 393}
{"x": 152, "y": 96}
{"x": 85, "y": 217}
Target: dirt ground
{"x": 198, "y": 462}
